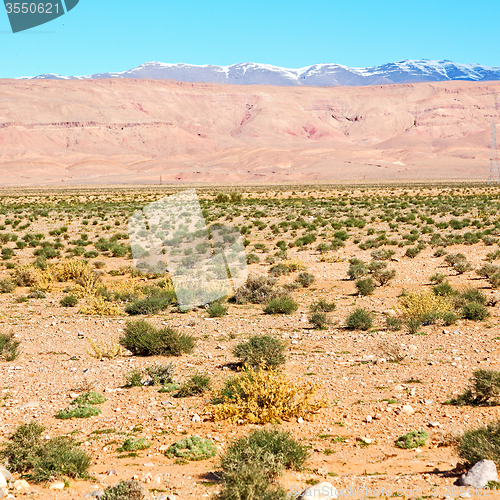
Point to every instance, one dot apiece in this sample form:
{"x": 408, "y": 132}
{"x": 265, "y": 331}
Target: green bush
{"x": 482, "y": 443}
{"x": 143, "y": 339}
{"x": 413, "y": 439}
{"x": 149, "y": 305}
{"x": 279, "y": 270}
{"x": 9, "y": 347}
{"x": 444, "y": 289}
{"x": 365, "y": 286}
{"x": 474, "y": 295}
{"x": 69, "y": 301}
{"x": 393, "y": 324}
{"x": 305, "y": 279}
{"x": 196, "y": 384}
{"x": 261, "y": 351}
{"x": 160, "y": 374}
{"x": 475, "y": 311}
{"x": 124, "y": 490}
{"x": 257, "y": 290}
{"x": 78, "y": 412}
{"x": 89, "y": 398}
{"x": 322, "y": 306}
{"x": 192, "y": 448}
{"x": 251, "y": 464}
{"x": 281, "y": 305}
{"x": 217, "y": 310}
{"x": 134, "y": 444}
{"x": 360, "y": 319}
{"x": 133, "y": 378}
{"x": 319, "y": 320}
{"x": 357, "y": 269}
{"x": 484, "y": 387}
{"x": 7, "y": 285}
{"x": 28, "y": 453}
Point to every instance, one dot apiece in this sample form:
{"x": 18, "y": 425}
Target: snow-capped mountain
{"x": 407, "y": 71}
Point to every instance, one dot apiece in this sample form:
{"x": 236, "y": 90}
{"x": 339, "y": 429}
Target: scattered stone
{"x": 149, "y": 464}
{"x": 195, "y": 418}
{"x": 368, "y": 418}
{"x": 428, "y": 401}
{"x": 434, "y": 424}
{"x": 300, "y": 420}
{"x": 324, "y": 491}
{"x": 29, "y": 404}
{"x": 111, "y": 472}
{"x": 365, "y": 440}
{"x": 479, "y": 475}
{"x": 21, "y": 484}
{"x": 407, "y": 409}
{"x": 58, "y": 485}
{"x": 377, "y": 416}
{"x": 94, "y": 494}
{"x": 6, "y": 474}
{"x": 163, "y": 447}
{"x": 172, "y": 497}
{"x": 398, "y": 387}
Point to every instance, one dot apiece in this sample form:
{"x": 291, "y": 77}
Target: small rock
{"x": 368, "y": 418}
{"x": 163, "y": 447}
{"x": 364, "y": 440}
{"x": 21, "y": 484}
{"x": 398, "y": 387}
{"x": 391, "y": 313}
{"x": 479, "y": 475}
{"x": 407, "y": 409}
{"x": 434, "y": 424}
{"x": 6, "y": 474}
{"x": 149, "y": 464}
{"x": 58, "y": 485}
{"x": 94, "y": 494}
{"x": 377, "y": 416}
{"x": 300, "y": 420}
{"x": 195, "y": 418}
{"x": 29, "y": 404}
{"x": 428, "y": 401}
{"x": 111, "y": 472}
{"x": 324, "y": 491}
{"x": 465, "y": 494}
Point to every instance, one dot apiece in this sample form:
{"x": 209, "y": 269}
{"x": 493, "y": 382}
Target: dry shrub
{"x": 391, "y": 351}
{"x": 102, "y": 350}
{"x": 264, "y": 396}
{"x": 98, "y": 306}
{"x": 257, "y": 290}
{"x": 70, "y": 270}
{"x": 423, "y": 305}
{"x": 295, "y": 264}
{"x": 29, "y": 275}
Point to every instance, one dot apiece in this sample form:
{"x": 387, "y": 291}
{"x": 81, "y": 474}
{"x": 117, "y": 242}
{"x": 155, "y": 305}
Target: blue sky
{"x": 115, "y": 35}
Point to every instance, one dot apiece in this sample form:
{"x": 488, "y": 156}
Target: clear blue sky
{"x": 115, "y": 35}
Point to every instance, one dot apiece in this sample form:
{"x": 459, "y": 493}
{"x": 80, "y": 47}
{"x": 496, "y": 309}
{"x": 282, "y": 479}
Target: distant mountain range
{"x": 321, "y": 75}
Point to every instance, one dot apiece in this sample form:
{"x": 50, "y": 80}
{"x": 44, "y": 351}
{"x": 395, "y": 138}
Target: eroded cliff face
{"x": 136, "y": 130}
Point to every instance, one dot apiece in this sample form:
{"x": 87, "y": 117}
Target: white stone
{"x": 195, "y": 418}
{"x": 58, "y": 485}
{"x": 407, "y": 409}
{"x": 480, "y": 474}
